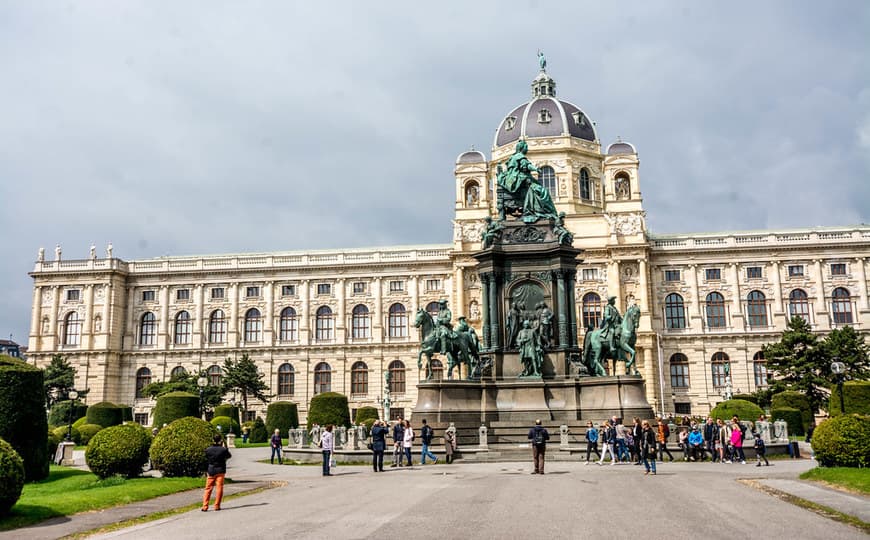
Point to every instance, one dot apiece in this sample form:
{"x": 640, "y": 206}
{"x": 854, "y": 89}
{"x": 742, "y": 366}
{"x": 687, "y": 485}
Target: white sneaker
{"x": 743, "y": 463}
{"x": 728, "y": 461}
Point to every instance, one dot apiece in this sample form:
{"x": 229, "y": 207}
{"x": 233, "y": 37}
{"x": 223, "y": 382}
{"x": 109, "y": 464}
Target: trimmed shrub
{"x": 740, "y": 407}
{"x": 259, "y": 433}
{"x": 843, "y": 441}
{"x": 59, "y": 415}
{"x": 23, "y": 422}
{"x": 61, "y": 431}
{"x": 179, "y": 448}
{"x": 283, "y": 416}
{"x": 856, "y": 398}
{"x": 126, "y": 413}
{"x": 746, "y": 397}
{"x": 88, "y": 431}
{"x": 80, "y": 422}
{"x": 366, "y": 413}
{"x": 225, "y": 409}
{"x": 104, "y": 414}
{"x": 328, "y": 408}
{"x": 174, "y": 405}
{"x": 52, "y": 444}
{"x": 11, "y": 476}
{"x": 795, "y": 400}
{"x": 226, "y": 425}
{"x": 119, "y": 450}
{"x": 792, "y": 417}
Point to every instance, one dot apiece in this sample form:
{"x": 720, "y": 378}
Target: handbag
{"x": 332, "y": 463}
{"x": 370, "y": 446}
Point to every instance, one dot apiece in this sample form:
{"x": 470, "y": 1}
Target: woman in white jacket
{"x": 408, "y": 441}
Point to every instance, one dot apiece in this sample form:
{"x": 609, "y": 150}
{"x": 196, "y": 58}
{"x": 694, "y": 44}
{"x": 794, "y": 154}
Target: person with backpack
{"x": 539, "y": 436}
{"x": 591, "y": 441}
{"x": 426, "y": 434}
{"x": 760, "y": 450}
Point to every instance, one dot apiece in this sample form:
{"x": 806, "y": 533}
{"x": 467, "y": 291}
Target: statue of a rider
{"x": 610, "y": 324}
{"x": 464, "y": 328}
{"x": 443, "y": 327}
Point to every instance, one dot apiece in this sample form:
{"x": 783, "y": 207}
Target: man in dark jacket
{"x": 398, "y": 439}
{"x": 275, "y": 442}
{"x": 217, "y": 456}
{"x": 426, "y": 434}
{"x": 539, "y": 436}
{"x": 379, "y": 444}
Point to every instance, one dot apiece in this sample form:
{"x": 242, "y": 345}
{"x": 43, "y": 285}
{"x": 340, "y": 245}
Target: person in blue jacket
{"x": 379, "y": 444}
{"x": 696, "y": 445}
{"x": 591, "y": 441}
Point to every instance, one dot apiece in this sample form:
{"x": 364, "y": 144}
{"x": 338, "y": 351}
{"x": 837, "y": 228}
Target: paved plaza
{"x": 502, "y": 500}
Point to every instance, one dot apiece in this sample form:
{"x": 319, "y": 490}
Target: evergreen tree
{"x": 185, "y": 382}
{"x": 798, "y": 362}
{"x": 242, "y": 376}
{"x": 58, "y": 379}
{"x": 847, "y": 346}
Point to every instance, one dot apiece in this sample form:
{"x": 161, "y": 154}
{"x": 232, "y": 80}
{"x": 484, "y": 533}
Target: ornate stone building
{"x": 338, "y": 320}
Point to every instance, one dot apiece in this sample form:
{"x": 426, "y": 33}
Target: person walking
{"x": 217, "y": 456}
{"x": 662, "y": 435}
{"x": 607, "y": 446}
{"x": 648, "y": 447}
{"x": 737, "y": 443}
{"x": 275, "y": 442}
{"x": 379, "y": 445}
{"x": 426, "y": 434}
{"x": 636, "y": 432}
{"x": 621, "y": 448}
{"x": 591, "y": 441}
{"x": 407, "y": 441}
{"x": 539, "y": 436}
{"x": 398, "y": 440}
{"x": 326, "y": 447}
{"x": 449, "y": 444}
{"x": 760, "y": 451}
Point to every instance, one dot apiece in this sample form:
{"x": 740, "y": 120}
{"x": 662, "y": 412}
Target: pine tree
{"x": 798, "y": 362}
{"x": 242, "y": 376}
{"x": 847, "y": 346}
{"x": 59, "y": 378}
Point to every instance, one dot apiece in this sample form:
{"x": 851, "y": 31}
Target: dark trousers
{"x": 378, "y": 460}
{"x": 663, "y": 449}
{"x": 738, "y": 450}
{"x": 326, "y": 455}
{"x": 276, "y": 451}
{"x": 592, "y": 447}
{"x": 407, "y": 455}
{"x": 696, "y": 452}
{"x": 538, "y": 457}
{"x": 759, "y": 456}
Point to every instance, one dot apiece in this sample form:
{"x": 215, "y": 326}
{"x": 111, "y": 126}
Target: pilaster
{"x": 821, "y": 315}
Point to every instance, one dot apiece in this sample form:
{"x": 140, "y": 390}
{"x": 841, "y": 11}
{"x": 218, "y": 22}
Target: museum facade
{"x": 339, "y": 320}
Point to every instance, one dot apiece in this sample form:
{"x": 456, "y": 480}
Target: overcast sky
{"x": 175, "y": 128}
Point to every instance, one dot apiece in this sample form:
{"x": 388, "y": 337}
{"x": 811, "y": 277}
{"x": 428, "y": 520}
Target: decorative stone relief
{"x": 627, "y": 224}
{"x": 525, "y": 235}
{"x": 457, "y": 231}
{"x": 47, "y": 296}
{"x": 472, "y": 280}
{"x": 99, "y": 293}
{"x": 473, "y": 311}
{"x": 629, "y": 272}
{"x": 471, "y": 232}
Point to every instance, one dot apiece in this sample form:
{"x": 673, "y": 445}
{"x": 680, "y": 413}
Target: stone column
{"x": 644, "y": 297}
{"x": 778, "y": 320}
{"x": 864, "y": 302}
{"x": 199, "y": 328}
{"x": 269, "y": 316}
{"x": 414, "y": 291}
{"x": 572, "y": 309}
{"x": 484, "y": 309}
{"x": 494, "y": 323}
{"x": 695, "y": 313}
{"x": 460, "y": 291}
{"x": 820, "y": 309}
{"x": 132, "y": 326}
{"x": 563, "y": 307}
{"x": 378, "y": 315}
{"x": 88, "y": 327}
{"x": 613, "y": 284}
{"x": 233, "y": 333}
{"x": 36, "y": 319}
{"x": 341, "y": 316}
{"x": 305, "y": 316}
{"x": 736, "y": 311}
{"x": 109, "y": 314}
{"x": 52, "y": 323}
{"x": 163, "y": 337}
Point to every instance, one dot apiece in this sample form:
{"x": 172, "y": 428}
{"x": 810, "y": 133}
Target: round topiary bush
{"x": 23, "y": 422}
{"x": 59, "y": 415}
{"x": 795, "y": 400}
{"x": 126, "y": 413}
{"x": 328, "y": 408}
{"x": 366, "y": 416}
{"x": 11, "y": 476}
{"x": 742, "y": 408}
{"x": 119, "y": 450}
{"x": 80, "y": 422}
{"x": 856, "y": 398}
{"x": 226, "y": 425}
{"x": 174, "y": 405}
{"x": 283, "y": 416}
{"x": 179, "y": 448}
{"x": 259, "y": 433}
{"x": 104, "y": 414}
{"x": 87, "y": 432}
{"x": 746, "y": 397}
{"x": 793, "y": 419}
{"x": 61, "y": 431}
{"x": 225, "y": 409}
{"x": 843, "y": 441}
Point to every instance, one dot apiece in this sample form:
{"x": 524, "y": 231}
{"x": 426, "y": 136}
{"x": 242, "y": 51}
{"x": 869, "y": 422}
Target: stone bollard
{"x": 352, "y": 441}
{"x": 231, "y": 440}
{"x": 780, "y": 431}
{"x": 563, "y": 437}
{"x": 482, "y": 431}
{"x": 65, "y": 449}
{"x": 763, "y": 427}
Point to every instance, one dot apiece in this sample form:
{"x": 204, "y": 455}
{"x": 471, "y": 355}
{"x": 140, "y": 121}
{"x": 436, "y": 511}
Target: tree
{"x": 847, "y": 346}
{"x": 58, "y": 379}
{"x": 242, "y": 376}
{"x": 798, "y": 362}
{"x": 185, "y": 382}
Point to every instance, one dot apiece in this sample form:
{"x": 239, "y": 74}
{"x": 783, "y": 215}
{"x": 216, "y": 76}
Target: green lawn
{"x": 240, "y": 444}
{"x": 846, "y": 477}
{"x": 70, "y": 491}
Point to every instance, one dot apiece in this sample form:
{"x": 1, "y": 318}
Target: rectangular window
{"x": 714, "y": 274}
{"x": 682, "y": 408}
{"x": 249, "y": 416}
{"x": 395, "y": 413}
{"x": 217, "y": 293}
{"x": 73, "y": 295}
{"x": 252, "y": 292}
{"x": 795, "y": 270}
{"x": 359, "y": 287}
{"x": 397, "y": 286}
{"x": 148, "y": 296}
{"x": 288, "y": 290}
{"x": 672, "y": 275}
{"x": 324, "y": 288}
{"x": 753, "y": 272}
{"x": 838, "y": 269}
{"x": 141, "y": 418}
{"x": 679, "y": 375}
{"x": 182, "y": 294}
{"x": 433, "y": 284}
{"x": 590, "y": 274}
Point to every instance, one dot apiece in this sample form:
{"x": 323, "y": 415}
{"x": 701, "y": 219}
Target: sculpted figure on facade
{"x": 531, "y": 353}
{"x": 545, "y": 325}
{"x": 40, "y": 255}
{"x": 109, "y": 251}
{"x": 514, "y": 320}
{"x": 523, "y": 194}
{"x": 492, "y": 230}
{"x": 610, "y": 321}
{"x": 57, "y": 252}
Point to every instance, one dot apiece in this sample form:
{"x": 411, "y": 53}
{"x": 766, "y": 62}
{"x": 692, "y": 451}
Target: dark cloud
{"x": 177, "y": 128}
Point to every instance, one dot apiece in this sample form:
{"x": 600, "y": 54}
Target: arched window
{"x": 591, "y": 310}
{"x": 759, "y": 368}
{"x": 361, "y": 322}
{"x": 143, "y": 379}
{"x": 253, "y": 326}
{"x": 148, "y": 329}
{"x": 397, "y": 377}
{"x": 585, "y": 185}
{"x": 548, "y": 180}
{"x": 798, "y": 305}
{"x": 359, "y": 379}
{"x": 437, "y": 369}
{"x": 842, "y": 306}
{"x": 756, "y": 309}
{"x": 622, "y": 186}
{"x": 720, "y": 368}
{"x": 286, "y": 380}
{"x": 715, "y": 310}
{"x": 675, "y": 312}
{"x": 177, "y": 372}
{"x": 324, "y": 324}
{"x": 183, "y": 328}
{"x": 398, "y": 321}
{"x": 322, "y": 378}
{"x": 289, "y": 325}
{"x": 72, "y": 329}
{"x": 679, "y": 371}
{"x": 472, "y": 194}
{"x": 217, "y": 327}
{"x": 214, "y": 375}
{"x": 432, "y": 310}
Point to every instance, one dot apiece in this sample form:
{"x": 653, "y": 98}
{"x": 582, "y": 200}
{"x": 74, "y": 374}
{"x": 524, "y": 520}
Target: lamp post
{"x": 72, "y": 395}
{"x": 839, "y": 369}
{"x": 201, "y": 382}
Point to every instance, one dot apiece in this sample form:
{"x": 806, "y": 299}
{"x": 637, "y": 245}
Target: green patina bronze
{"x": 531, "y": 352}
{"x": 522, "y": 194}
{"x": 437, "y": 336}
{"x": 613, "y": 340}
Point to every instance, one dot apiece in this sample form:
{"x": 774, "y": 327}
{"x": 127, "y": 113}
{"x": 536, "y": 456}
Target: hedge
{"x": 88, "y": 431}
{"x": 366, "y": 413}
{"x": 80, "y": 422}
{"x": 104, "y": 414}
{"x": 179, "y": 448}
{"x": 225, "y": 409}
{"x": 856, "y": 398}
{"x": 793, "y": 418}
{"x": 174, "y": 405}
{"x": 328, "y": 408}
{"x": 746, "y": 397}
{"x": 126, "y": 413}
{"x": 11, "y": 476}
{"x": 259, "y": 433}
{"x": 23, "y": 422}
{"x": 795, "y": 400}
{"x": 740, "y": 407}
{"x": 283, "y": 416}
{"x": 61, "y": 432}
{"x": 52, "y": 443}
{"x": 59, "y": 415}
{"x": 121, "y": 450}
{"x": 226, "y": 425}
{"x": 843, "y": 441}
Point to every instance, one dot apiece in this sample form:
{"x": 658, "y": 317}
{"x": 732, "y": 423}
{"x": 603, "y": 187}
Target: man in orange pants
{"x": 217, "y": 456}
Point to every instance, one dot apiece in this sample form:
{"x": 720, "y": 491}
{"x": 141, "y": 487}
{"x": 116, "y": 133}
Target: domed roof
{"x": 621, "y": 147}
{"x": 472, "y": 156}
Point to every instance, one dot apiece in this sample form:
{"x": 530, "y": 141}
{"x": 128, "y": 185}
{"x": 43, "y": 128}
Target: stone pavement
{"x": 847, "y": 503}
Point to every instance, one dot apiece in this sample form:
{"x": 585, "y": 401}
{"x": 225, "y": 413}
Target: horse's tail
{"x": 587, "y": 345}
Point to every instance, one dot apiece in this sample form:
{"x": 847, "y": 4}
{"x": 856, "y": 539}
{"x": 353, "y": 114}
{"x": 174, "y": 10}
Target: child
{"x": 760, "y": 450}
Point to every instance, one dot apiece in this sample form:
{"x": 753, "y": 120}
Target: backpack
{"x": 538, "y": 437}
{"x": 426, "y": 434}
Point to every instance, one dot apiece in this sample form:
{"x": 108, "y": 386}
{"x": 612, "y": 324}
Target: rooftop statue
{"x": 542, "y": 61}
{"x": 522, "y": 193}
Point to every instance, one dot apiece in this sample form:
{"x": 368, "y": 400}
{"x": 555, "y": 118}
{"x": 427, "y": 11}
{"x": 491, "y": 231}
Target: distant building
{"x": 10, "y": 348}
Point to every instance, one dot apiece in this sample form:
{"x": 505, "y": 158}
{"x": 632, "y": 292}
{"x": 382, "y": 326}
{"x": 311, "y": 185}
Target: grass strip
{"x": 848, "y": 479}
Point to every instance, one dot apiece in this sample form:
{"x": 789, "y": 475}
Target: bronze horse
{"x": 596, "y": 349}
{"x": 461, "y": 345}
